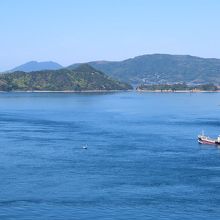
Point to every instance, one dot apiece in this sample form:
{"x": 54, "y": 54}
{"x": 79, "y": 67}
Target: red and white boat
{"x": 202, "y": 139}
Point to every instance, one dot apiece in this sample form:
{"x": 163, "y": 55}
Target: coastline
{"x": 110, "y": 91}
{"x": 66, "y": 91}
{"x": 178, "y": 91}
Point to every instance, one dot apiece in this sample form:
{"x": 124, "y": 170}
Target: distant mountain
{"x": 37, "y": 66}
{"x": 84, "y": 77}
{"x": 162, "y": 68}
{"x": 148, "y": 69}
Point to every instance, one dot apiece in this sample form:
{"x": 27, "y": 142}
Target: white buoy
{"x": 85, "y": 147}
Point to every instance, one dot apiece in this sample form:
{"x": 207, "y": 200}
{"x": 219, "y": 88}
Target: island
{"x": 82, "y": 78}
{"x": 178, "y": 87}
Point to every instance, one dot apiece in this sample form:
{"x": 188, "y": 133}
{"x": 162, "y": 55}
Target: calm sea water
{"x": 142, "y": 162}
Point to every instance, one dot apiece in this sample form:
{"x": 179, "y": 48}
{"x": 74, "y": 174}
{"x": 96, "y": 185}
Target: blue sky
{"x": 69, "y": 31}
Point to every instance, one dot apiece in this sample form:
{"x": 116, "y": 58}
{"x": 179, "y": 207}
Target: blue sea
{"x": 142, "y": 159}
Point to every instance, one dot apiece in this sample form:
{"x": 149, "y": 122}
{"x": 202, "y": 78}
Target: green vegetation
{"x": 162, "y": 68}
{"x": 178, "y": 87}
{"x": 82, "y": 78}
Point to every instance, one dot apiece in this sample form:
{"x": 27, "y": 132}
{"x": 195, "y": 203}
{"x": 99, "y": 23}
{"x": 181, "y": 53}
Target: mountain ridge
{"x": 163, "y": 68}
{"x": 84, "y": 78}
{"x": 160, "y": 68}
{"x": 37, "y": 66}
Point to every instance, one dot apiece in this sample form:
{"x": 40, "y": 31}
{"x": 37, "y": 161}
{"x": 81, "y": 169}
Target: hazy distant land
{"x": 155, "y": 72}
{"x": 152, "y": 68}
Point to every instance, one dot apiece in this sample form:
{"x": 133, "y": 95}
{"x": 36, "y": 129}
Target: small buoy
{"x": 85, "y": 147}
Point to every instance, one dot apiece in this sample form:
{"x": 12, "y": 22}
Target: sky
{"x": 71, "y": 31}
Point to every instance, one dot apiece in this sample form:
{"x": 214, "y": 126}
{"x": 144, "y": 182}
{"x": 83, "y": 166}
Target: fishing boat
{"x": 203, "y": 139}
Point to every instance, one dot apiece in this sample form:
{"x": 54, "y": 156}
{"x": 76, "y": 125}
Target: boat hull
{"x": 207, "y": 141}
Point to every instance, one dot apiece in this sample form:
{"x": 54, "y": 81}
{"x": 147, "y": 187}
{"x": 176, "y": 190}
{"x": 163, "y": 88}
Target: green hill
{"x": 163, "y": 68}
{"x": 82, "y": 78}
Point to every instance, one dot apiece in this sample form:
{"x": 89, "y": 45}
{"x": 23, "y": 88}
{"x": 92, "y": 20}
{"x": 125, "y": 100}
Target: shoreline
{"x": 110, "y": 91}
{"x": 66, "y": 91}
{"x": 178, "y": 91}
